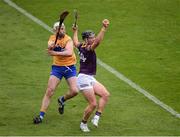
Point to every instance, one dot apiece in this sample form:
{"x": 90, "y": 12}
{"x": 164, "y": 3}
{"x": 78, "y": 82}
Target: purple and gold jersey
{"x": 87, "y": 60}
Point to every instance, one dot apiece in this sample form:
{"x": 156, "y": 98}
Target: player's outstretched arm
{"x": 75, "y": 36}
{"x": 100, "y": 35}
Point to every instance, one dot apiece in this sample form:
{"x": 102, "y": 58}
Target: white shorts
{"x": 85, "y": 81}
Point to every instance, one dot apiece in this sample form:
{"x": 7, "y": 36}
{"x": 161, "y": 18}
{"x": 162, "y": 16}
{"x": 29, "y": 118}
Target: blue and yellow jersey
{"x": 62, "y": 60}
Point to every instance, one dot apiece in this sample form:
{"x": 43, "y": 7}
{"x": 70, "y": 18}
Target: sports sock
{"x": 41, "y": 114}
{"x": 62, "y": 99}
{"x": 84, "y": 121}
{"x": 98, "y": 113}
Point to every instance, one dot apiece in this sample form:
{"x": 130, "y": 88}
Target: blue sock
{"x": 62, "y": 99}
{"x": 41, "y": 114}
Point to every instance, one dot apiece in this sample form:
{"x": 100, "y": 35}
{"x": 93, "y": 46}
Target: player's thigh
{"x": 100, "y": 89}
{"x": 53, "y": 82}
{"x": 89, "y": 96}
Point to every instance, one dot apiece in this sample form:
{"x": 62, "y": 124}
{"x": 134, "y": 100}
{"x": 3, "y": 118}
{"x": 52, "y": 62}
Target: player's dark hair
{"x": 87, "y": 34}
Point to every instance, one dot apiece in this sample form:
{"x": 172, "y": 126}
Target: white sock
{"x": 96, "y": 117}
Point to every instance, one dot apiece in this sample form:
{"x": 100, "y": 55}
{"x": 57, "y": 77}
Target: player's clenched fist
{"x": 50, "y": 45}
{"x": 105, "y": 23}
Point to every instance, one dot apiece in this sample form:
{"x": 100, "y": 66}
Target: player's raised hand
{"x": 105, "y": 23}
{"x": 74, "y": 27}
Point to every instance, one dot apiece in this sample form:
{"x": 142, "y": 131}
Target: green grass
{"x": 142, "y": 42}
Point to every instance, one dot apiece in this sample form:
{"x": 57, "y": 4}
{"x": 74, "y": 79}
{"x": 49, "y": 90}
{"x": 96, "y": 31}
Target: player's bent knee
{"x": 106, "y": 95}
{"x": 93, "y": 105}
{"x": 74, "y": 91}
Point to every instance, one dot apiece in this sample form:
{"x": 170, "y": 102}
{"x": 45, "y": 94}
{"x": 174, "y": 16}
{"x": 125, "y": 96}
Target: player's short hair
{"x": 87, "y": 34}
{"x": 56, "y": 24}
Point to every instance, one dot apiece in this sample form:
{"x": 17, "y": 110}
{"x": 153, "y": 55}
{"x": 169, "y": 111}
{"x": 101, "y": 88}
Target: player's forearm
{"x": 99, "y": 38}
{"x": 56, "y": 53}
{"x": 100, "y": 35}
{"x": 75, "y": 38}
{"x": 64, "y": 53}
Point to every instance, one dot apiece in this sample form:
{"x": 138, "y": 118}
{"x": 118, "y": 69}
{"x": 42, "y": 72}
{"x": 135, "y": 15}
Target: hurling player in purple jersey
{"x": 86, "y": 82}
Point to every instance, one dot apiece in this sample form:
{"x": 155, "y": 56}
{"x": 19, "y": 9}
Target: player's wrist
{"x": 103, "y": 29}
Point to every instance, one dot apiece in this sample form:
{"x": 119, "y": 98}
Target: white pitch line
{"x": 138, "y": 88}
{"x": 102, "y": 64}
{"x": 36, "y": 20}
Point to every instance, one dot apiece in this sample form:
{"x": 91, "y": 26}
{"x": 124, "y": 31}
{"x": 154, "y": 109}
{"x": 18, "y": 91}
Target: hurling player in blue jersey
{"x": 86, "y": 82}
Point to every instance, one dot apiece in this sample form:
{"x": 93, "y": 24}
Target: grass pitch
{"x": 142, "y": 42}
